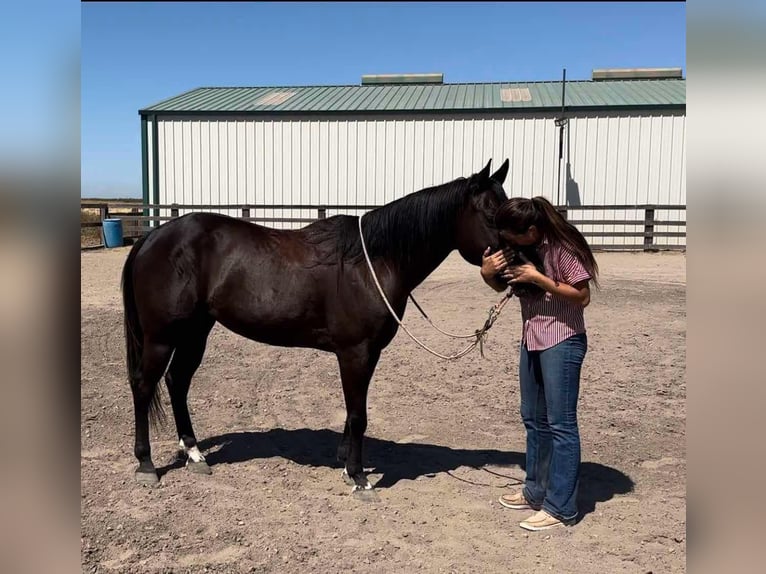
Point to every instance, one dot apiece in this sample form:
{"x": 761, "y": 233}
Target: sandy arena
{"x": 444, "y": 441}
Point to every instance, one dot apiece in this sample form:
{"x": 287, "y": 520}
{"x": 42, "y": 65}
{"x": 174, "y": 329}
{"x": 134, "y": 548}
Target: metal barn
{"x": 314, "y": 151}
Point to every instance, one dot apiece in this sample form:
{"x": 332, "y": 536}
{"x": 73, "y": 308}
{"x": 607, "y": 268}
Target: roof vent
{"x": 372, "y": 79}
{"x": 637, "y": 74}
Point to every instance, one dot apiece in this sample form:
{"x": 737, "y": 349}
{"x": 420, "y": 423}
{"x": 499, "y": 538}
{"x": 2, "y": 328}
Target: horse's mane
{"x": 395, "y": 230}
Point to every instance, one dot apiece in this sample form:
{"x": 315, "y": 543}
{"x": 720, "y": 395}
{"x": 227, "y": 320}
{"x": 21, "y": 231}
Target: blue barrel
{"x": 112, "y": 232}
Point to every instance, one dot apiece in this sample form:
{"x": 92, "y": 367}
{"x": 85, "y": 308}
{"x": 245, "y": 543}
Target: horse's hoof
{"x": 365, "y": 493}
{"x": 200, "y": 467}
{"x": 147, "y": 478}
{"x": 347, "y": 479}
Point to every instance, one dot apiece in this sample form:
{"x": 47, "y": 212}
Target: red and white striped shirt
{"x": 549, "y": 319}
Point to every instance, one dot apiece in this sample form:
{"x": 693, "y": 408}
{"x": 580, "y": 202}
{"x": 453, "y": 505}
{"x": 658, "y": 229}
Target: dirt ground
{"x": 445, "y": 440}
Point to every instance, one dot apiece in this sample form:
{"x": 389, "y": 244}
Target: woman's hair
{"x": 518, "y": 214}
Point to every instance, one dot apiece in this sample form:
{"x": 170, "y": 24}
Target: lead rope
{"x": 480, "y": 334}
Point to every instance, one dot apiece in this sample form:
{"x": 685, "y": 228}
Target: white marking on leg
{"x": 195, "y": 455}
{"x": 181, "y": 445}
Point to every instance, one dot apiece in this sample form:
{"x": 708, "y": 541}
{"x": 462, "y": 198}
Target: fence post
{"x": 322, "y": 213}
{"x": 173, "y": 210}
{"x": 104, "y": 211}
{"x": 649, "y": 229}
{"x": 563, "y": 212}
{"x": 245, "y": 212}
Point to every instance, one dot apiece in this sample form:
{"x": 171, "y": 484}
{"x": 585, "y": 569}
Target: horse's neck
{"x": 422, "y": 263}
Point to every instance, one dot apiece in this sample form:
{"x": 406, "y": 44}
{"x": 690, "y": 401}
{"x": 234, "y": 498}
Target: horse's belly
{"x": 281, "y": 331}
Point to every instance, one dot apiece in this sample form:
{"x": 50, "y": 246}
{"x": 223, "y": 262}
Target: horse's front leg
{"x": 356, "y": 368}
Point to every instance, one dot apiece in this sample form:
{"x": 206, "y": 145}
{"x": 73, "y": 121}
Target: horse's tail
{"x": 134, "y": 334}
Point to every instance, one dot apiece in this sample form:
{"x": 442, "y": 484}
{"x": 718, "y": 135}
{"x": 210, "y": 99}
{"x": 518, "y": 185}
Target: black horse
{"x": 299, "y": 288}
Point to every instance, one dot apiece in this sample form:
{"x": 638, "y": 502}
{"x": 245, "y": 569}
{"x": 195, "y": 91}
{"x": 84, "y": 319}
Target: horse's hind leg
{"x": 153, "y": 363}
{"x": 186, "y": 360}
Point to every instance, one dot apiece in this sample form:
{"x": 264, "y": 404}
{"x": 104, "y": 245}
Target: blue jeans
{"x": 550, "y": 386}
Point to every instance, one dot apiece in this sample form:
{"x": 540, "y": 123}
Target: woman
{"x": 553, "y": 346}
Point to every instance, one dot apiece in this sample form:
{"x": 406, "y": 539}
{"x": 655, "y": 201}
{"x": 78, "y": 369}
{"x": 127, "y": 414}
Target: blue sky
{"x": 134, "y": 54}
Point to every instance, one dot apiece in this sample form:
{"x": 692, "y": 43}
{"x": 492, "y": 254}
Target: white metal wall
{"x": 370, "y": 160}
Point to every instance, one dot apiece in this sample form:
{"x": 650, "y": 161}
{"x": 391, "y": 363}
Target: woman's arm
{"x": 578, "y": 293}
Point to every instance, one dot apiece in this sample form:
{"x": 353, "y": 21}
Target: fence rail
{"x": 139, "y": 221}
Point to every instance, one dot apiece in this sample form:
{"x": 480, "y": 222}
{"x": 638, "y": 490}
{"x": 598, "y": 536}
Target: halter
{"x": 479, "y": 335}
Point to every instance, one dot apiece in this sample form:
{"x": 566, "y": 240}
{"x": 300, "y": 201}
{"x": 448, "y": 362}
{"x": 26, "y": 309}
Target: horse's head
{"x": 476, "y": 225}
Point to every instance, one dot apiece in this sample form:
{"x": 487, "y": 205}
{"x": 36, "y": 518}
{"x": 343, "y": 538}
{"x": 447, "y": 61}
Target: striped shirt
{"x": 549, "y": 319}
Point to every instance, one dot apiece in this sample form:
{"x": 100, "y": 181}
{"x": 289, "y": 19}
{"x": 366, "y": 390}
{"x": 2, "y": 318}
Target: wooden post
{"x": 173, "y": 210}
{"x": 245, "y": 212}
{"x": 104, "y": 211}
{"x": 322, "y": 213}
{"x": 649, "y": 229}
{"x": 563, "y": 212}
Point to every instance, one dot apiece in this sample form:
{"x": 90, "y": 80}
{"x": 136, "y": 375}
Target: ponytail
{"x": 558, "y": 230}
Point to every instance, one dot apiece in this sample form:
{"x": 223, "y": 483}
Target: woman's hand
{"x": 493, "y": 264}
{"x": 526, "y": 273}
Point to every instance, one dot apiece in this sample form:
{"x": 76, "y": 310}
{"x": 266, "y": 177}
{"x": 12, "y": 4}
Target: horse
{"x": 519, "y": 255}
{"x": 310, "y": 288}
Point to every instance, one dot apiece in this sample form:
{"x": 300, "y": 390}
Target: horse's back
{"x": 180, "y": 263}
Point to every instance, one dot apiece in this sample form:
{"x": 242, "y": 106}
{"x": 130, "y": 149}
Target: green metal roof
{"x": 580, "y": 95}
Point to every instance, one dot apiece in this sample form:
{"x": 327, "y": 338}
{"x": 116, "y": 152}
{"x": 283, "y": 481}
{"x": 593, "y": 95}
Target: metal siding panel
{"x": 468, "y": 145}
{"x": 342, "y": 163}
{"x": 549, "y": 159}
{"x": 475, "y": 158}
{"x": 418, "y": 154}
{"x": 353, "y": 163}
{"x": 435, "y": 159}
{"x": 634, "y": 159}
{"x": 361, "y": 162}
{"x": 332, "y": 163}
{"x": 150, "y": 160}
{"x": 593, "y": 160}
{"x": 214, "y": 189}
{"x": 202, "y": 160}
{"x": 295, "y": 166}
{"x": 384, "y": 167}
{"x": 487, "y": 144}
{"x": 314, "y": 185}
{"x": 610, "y": 170}
{"x": 510, "y": 151}
{"x": 250, "y": 182}
{"x": 666, "y": 155}
{"x": 178, "y": 161}
{"x": 537, "y": 160}
{"x": 186, "y": 136}
{"x": 259, "y": 163}
{"x": 529, "y": 143}
{"x": 644, "y": 156}
{"x": 621, "y": 173}
{"x": 306, "y": 180}
{"x": 268, "y": 166}
{"x": 498, "y": 151}
{"x": 324, "y": 162}
{"x": 370, "y": 171}
{"x": 277, "y": 160}
{"x": 231, "y": 163}
{"x": 408, "y": 157}
{"x": 451, "y": 134}
{"x": 656, "y": 151}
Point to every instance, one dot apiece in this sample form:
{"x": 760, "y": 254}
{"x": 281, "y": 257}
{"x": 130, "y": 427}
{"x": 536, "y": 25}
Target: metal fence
{"x": 644, "y": 235}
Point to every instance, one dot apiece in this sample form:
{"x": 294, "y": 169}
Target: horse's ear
{"x": 500, "y": 175}
{"x": 483, "y": 175}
